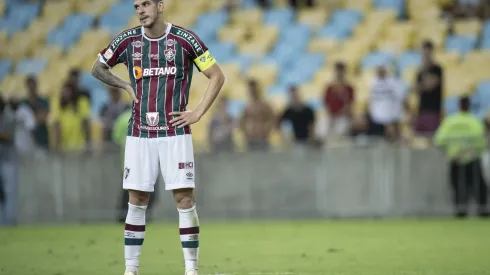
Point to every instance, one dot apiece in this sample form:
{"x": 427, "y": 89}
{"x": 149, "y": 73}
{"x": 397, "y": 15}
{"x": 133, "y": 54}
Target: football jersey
{"x": 160, "y": 70}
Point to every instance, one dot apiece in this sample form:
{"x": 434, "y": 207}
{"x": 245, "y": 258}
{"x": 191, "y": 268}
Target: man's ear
{"x": 161, "y": 6}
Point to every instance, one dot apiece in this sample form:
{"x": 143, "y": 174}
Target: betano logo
{"x": 139, "y": 72}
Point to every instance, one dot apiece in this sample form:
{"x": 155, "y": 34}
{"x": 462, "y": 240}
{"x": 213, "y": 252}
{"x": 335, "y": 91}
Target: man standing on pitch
{"x": 160, "y": 57}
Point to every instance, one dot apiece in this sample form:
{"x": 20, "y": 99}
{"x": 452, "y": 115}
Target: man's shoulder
{"x": 181, "y": 31}
{"x": 187, "y": 37}
{"x": 125, "y": 36}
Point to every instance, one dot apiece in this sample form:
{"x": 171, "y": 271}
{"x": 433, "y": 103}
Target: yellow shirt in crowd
{"x": 71, "y": 123}
{"x": 463, "y": 136}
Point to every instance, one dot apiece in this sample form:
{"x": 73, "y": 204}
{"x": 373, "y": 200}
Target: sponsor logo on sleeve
{"x": 108, "y": 54}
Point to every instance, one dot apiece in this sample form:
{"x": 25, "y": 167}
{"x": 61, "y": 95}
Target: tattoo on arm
{"x": 102, "y": 73}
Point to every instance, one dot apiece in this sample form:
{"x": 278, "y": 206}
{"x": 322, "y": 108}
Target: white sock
{"x": 134, "y": 234}
{"x": 189, "y": 236}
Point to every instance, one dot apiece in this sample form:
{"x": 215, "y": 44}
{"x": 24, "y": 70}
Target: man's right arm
{"x": 101, "y": 72}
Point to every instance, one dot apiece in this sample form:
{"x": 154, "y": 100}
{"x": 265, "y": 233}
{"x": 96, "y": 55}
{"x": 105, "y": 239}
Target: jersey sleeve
{"x": 199, "y": 52}
{"x": 113, "y": 54}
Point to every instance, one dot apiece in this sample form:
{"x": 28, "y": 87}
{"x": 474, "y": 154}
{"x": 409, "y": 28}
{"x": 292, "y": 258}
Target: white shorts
{"x": 173, "y": 155}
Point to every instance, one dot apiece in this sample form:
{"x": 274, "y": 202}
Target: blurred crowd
{"x": 65, "y": 123}
{"x": 38, "y": 124}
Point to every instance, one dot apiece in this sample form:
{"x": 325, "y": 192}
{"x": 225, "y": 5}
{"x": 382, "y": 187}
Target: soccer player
{"x": 160, "y": 58}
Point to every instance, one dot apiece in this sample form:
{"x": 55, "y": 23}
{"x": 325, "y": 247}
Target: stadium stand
{"x": 277, "y": 47}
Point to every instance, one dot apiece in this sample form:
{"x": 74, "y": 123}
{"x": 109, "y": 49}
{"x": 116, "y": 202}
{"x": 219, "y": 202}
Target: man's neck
{"x": 158, "y": 29}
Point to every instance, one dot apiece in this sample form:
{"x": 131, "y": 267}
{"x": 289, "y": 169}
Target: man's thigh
{"x": 177, "y": 161}
{"x": 140, "y": 164}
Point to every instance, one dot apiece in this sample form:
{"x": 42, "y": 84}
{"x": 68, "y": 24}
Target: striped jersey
{"x": 160, "y": 70}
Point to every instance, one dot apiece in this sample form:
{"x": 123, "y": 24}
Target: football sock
{"x": 189, "y": 236}
{"x": 134, "y": 234}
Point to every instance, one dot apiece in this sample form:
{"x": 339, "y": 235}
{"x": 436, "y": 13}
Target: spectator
{"x": 74, "y": 80}
{"x": 9, "y": 166}
{"x": 293, "y": 3}
{"x": 338, "y": 100}
{"x": 72, "y": 120}
{"x": 40, "y": 107}
{"x": 257, "y": 120}
{"x": 296, "y": 3}
{"x": 463, "y": 136}
{"x": 430, "y": 79}
{"x": 25, "y": 125}
{"x": 111, "y": 111}
{"x": 385, "y": 105}
{"x": 301, "y": 117}
{"x": 221, "y": 128}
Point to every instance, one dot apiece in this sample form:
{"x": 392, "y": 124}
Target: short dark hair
{"x": 464, "y": 103}
{"x": 340, "y": 66}
{"x": 427, "y": 44}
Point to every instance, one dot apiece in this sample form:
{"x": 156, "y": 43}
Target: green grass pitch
{"x": 435, "y": 247}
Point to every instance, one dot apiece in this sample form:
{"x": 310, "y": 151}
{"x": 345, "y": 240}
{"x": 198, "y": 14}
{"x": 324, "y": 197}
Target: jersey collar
{"x": 169, "y": 26}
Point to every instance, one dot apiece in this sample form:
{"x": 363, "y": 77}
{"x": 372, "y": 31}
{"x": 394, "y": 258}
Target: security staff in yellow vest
{"x": 463, "y": 137}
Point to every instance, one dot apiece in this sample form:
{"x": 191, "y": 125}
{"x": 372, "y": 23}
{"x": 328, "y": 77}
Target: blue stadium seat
{"x": 409, "y": 59}
{"x": 116, "y": 18}
{"x": 485, "y": 43}
{"x": 223, "y": 51}
{"x": 98, "y": 98}
{"x": 212, "y": 20}
{"x": 451, "y": 105}
{"x": 486, "y": 29}
{"x": 281, "y": 17}
{"x": 31, "y": 66}
{"x": 245, "y": 61}
{"x": 248, "y": 4}
{"x": 277, "y": 89}
{"x": 482, "y": 95}
{"x": 336, "y": 31}
{"x": 89, "y": 82}
{"x": 206, "y": 34}
{"x": 235, "y": 108}
{"x": 5, "y": 68}
{"x": 316, "y": 104}
{"x": 346, "y": 17}
{"x": 71, "y": 30}
{"x": 397, "y": 5}
{"x": 376, "y": 59}
{"x": 20, "y": 17}
{"x": 460, "y": 43}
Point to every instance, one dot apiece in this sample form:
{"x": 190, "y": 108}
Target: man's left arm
{"x": 216, "y": 81}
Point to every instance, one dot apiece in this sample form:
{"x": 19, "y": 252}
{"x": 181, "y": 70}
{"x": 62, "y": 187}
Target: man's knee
{"x": 139, "y": 198}
{"x": 184, "y": 198}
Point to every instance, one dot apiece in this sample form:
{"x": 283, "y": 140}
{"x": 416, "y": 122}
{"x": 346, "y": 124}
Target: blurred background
{"x": 329, "y": 107}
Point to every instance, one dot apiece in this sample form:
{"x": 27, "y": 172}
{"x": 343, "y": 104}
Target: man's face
{"x": 427, "y": 54}
{"x": 148, "y": 11}
{"x": 381, "y": 72}
{"x": 31, "y": 85}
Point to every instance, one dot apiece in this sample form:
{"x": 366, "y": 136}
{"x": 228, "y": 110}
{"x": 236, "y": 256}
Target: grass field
{"x": 443, "y": 247}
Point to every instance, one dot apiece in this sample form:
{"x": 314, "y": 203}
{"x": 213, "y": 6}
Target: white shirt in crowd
{"x": 25, "y": 124}
{"x": 386, "y": 100}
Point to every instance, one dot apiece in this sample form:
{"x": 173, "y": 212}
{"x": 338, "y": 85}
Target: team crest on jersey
{"x": 137, "y": 44}
{"x": 170, "y": 43}
{"x": 152, "y": 118}
{"x": 170, "y": 54}
{"x": 137, "y": 56}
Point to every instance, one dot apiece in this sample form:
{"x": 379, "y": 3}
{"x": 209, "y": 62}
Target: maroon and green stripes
{"x": 134, "y": 234}
{"x": 160, "y": 94}
{"x": 189, "y": 237}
